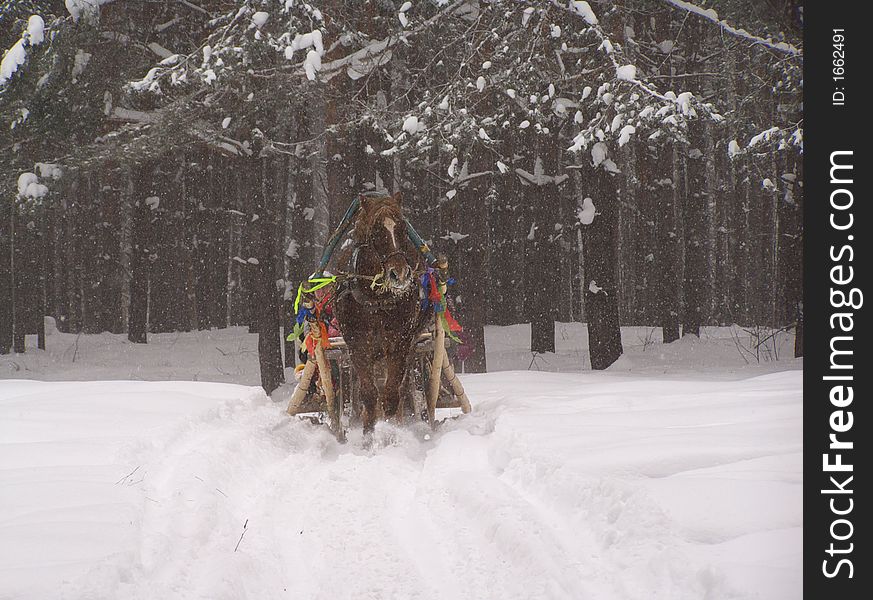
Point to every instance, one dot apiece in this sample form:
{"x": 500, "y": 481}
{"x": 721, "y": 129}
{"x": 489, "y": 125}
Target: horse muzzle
{"x": 398, "y": 279}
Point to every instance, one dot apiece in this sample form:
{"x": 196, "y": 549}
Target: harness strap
{"x": 419, "y": 243}
{"x": 338, "y": 234}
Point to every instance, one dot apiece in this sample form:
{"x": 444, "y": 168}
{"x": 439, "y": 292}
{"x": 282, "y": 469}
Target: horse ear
{"x": 398, "y": 199}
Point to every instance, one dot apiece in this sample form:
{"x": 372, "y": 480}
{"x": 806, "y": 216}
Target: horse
{"x": 378, "y": 307}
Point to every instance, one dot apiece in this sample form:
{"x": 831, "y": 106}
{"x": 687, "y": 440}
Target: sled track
{"x": 243, "y": 502}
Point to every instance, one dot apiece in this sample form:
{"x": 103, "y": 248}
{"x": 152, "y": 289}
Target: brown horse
{"x": 379, "y": 312}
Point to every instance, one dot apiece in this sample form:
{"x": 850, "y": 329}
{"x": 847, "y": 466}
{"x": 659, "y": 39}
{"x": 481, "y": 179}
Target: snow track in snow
{"x": 557, "y": 486}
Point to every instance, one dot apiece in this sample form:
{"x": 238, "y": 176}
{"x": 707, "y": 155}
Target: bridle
{"x": 382, "y": 258}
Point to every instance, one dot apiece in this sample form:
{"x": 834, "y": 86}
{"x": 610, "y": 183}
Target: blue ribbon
{"x": 425, "y": 288}
{"x": 304, "y": 313}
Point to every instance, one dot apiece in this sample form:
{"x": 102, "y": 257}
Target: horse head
{"x": 383, "y": 246}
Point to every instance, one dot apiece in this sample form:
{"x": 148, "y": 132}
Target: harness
{"x": 434, "y": 273}
{"x": 306, "y": 309}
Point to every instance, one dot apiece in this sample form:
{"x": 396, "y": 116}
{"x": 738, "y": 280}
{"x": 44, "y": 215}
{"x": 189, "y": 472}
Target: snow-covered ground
{"x": 231, "y": 355}
{"x": 676, "y": 474}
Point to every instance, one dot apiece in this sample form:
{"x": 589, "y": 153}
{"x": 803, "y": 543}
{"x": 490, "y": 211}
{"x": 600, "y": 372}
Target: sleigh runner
{"x": 330, "y": 383}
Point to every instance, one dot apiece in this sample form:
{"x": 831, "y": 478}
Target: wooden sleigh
{"x": 435, "y": 383}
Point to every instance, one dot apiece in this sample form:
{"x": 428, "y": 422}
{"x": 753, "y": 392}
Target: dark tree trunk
{"x": 542, "y": 335}
{"x": 137, "y": 326}
{"x": 42, "y": 240}
{"x": 6, "y": 313}
{"x": 793, "y": 207}
{"x": 695, "y": 234}
{"x": 601, "y": 290}
{"x": 265, "y": 294}
{"x": 19, "y": 320}
{"x": 669, "y": 267}
{"x": 541, "y": 250}
{"x": 471, "y": 271}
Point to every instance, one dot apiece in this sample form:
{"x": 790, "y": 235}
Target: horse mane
{"x": 373, "y": 210}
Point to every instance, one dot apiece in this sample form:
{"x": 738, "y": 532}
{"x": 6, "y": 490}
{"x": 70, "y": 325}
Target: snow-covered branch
{"x": 13, "y": 58}
{"x": 710, "y": 15}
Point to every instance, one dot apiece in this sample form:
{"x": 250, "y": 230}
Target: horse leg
{"x": 363, "y": 365}
{"x": 395, "y": 364}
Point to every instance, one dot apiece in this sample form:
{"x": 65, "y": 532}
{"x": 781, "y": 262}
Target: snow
{"x": 29, "y": 186}
{"x": 24, "y": 180}
{"x": 293, "y": 249}
{"x": 764, "y": 136}
{"x": 684, "y": 101}
{"x": 666, "y": 46}
{"x": 525, "y": 16}
{"x": 84, "y": 8}
{"x": 80, "y": 61}
{"x": 679, "y": 469}
{"x": 53, "y": 170}
{"x": 617, "y": 120}
{"x": 455, "y": 236}
{"x": 712, "y": 15}
{"x": 312, "y": 64}
{"x": 587, "y": 213}
{"x": 411, "y": 125}
{"x": 583, "y": 9}
{"x": 35, "y": 30}
{"x": 626, "y": 73}
{"x": 598, "y": 153}
{"x": 260, "y": 18}
{"x": 301, "y": 41}
{"x": 15, "y": 56}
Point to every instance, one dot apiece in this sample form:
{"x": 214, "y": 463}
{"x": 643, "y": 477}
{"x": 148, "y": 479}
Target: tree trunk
{"x": 601, "y": 292}
{"x": 540, "y": 259}
{"x": 696, "y": 199}
{"x": 471, "y": 271}
{"x": 18, "y": 269}
{"x": 42, "y": 240}
{"x": 125, "y": 248}
{"x": 137, "y": 325}
{"x": 669, "y": 245}
{"x": 6, "y": 280}
{"x": 265, "y": 293}
{"x": 793, "y": 248}
{"x": 320, "y": 207}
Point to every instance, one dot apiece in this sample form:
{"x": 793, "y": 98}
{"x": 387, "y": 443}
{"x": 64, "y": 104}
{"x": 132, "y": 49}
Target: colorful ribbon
{"x": 433, "y": 297}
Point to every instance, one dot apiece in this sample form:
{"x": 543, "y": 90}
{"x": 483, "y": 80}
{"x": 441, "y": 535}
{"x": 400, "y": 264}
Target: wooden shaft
{"x": 302, "y": 387}
{"x": 457, "y": 388}
{"x": 326, "y": 379}
{"x": 439, "y": 359}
